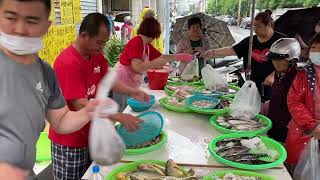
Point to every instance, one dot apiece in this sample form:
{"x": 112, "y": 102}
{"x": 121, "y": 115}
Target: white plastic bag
{"x": 106, "y": 146}
{"x": 213, "y": 79}
{"x": 308, "y": 167}
{"x": 247, "y": 102}
{"x": 191, "y": 71}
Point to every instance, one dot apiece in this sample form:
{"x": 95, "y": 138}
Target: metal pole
{"x": 167, "y": 25}
{"x": 216, "y": 7}
{"x": 248, "y": 70}
{"x": 239, "y": 13}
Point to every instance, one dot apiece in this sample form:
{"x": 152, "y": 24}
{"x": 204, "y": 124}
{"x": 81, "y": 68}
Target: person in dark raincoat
{"x": 284, "y": 54}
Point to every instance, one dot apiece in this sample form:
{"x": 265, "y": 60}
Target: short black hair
{"x": 194, "y": 21}
{"x": 265, "y": 18}
{"x": 315, "y": 39}
{"x": 92, "y": 22}
{"x": 268, "y": 11}
{"x": 47, "y": 3}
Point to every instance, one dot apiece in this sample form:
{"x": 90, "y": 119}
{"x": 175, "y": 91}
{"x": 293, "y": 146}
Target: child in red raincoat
{"x": 304, "y": 106}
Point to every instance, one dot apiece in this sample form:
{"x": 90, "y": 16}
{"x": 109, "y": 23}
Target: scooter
{"x": 230, "y": 65}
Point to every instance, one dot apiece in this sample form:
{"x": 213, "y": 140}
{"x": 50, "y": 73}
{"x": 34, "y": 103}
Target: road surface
{"x": 239, "y": 33}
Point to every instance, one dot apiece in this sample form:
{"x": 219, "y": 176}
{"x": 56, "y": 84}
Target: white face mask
{"x": 20, "y": 45}
{"x": 315, "y": 58}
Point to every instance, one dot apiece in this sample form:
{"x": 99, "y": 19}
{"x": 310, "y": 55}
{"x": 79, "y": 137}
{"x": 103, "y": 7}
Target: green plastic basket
{"x": 231, "y": 86}
{"x": 130, "y": 167}
{"x": 265, "y": 120}
{"x": 164, "y": 103}
{"x": 170, "y": 92}
{"x": 221, "y": 174}
{"x": 199, "y": 82}
{"x": 144, "y": 150}
{"x": 43, "y": 148}
{"x": 206, "y": 110}
{"x": 271, "y": 144}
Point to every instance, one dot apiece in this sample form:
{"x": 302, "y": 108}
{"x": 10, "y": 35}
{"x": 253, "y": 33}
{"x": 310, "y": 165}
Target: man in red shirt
{"x": 79, "y": 69}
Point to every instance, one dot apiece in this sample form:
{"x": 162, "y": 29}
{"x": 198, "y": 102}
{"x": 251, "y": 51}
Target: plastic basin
{"x": 138, "y": 106}
{"x": 157, "y": 79}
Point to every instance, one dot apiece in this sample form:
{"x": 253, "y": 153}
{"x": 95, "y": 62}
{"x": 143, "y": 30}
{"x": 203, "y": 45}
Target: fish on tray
{"x": 250, "y": 151}
{"x": 231, "y": 176}
{"x": 183, "y": 87}
{"x": 150, "y": 171}
{"x": 178, "y": 79}
{"x": 240, "y": 123}
{"x": 154, "y": 141}
{"x": 175, "y": 101}
{"x": 182, "y": 94}
{"x": 224, "y": 104}
{"x": 203, "y": 104}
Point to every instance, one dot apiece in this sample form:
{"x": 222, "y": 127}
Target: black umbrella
{"x": 301, "y": 21}
{"x": 215, "y": 31}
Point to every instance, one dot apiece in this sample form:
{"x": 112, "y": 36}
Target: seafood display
{"x": 231, "y": 176}
{"x": 175, "y": 101}
{"x": 222, "y": 88}
{"x": 222, "y": 91}
{"x": 240, "y": 123}
{"x": 203, "y": 104}
{"x": 190, "y": 78}
{"x": 182, "y": 87}
{"x": 246, "y": 151}
{"x": 151, "y": 171}
{"x": 182, "y": 94}
{"x": 224, "y": 103}
{"x": 154, "y": 141}
{"x": 179, "y": 79}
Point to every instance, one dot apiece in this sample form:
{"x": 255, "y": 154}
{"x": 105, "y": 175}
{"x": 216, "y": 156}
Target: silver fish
{"x": 236, "y": 122}
{"x": 235, "y": 150}
{"x": 246, "y": 127}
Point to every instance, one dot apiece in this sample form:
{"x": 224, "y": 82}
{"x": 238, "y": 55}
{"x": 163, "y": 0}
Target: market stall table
{"x": 188, "y": 137}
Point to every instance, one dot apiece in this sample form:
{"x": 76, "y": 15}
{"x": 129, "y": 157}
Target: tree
{"x": 212, "y": 9}
{"x": 192, "y": 8}
{"x": 311, "y": 3}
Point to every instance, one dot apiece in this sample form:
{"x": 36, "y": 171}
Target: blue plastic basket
{"x": 212, "y": 94}
{"x": 138, "y": 106}
{"x": 191, "y": 99}
{"x": 149, "y": 129}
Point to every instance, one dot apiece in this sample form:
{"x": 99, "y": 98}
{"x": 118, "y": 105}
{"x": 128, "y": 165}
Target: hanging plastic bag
{"x": 308, "y": 167}
{"x": 191, "y": 71}
{"x": 213, "y": 79}
{"x": 106, "y": 146}
{"x": 247, "y": 102}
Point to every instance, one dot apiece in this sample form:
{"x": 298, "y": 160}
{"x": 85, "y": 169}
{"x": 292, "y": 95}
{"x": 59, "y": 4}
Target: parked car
{"x": 245, "y": 23}
{"x": 232, "y": 21}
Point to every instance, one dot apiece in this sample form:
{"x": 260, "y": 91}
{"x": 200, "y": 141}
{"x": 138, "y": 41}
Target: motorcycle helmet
{"x": 285, "y": 48}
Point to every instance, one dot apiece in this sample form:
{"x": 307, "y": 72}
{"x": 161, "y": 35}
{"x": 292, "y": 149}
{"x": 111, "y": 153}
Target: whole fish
{"x": 235, "y": 150}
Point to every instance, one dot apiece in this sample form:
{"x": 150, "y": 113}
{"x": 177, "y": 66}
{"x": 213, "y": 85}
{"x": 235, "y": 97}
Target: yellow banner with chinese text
{"x": 57, "y": 39}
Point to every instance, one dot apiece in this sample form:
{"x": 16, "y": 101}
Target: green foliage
{"x": 273, "y": 4}
{"x": 230, "y": 7}
{"x": 311, "y": 3}
{"x": 112, "y": 51}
